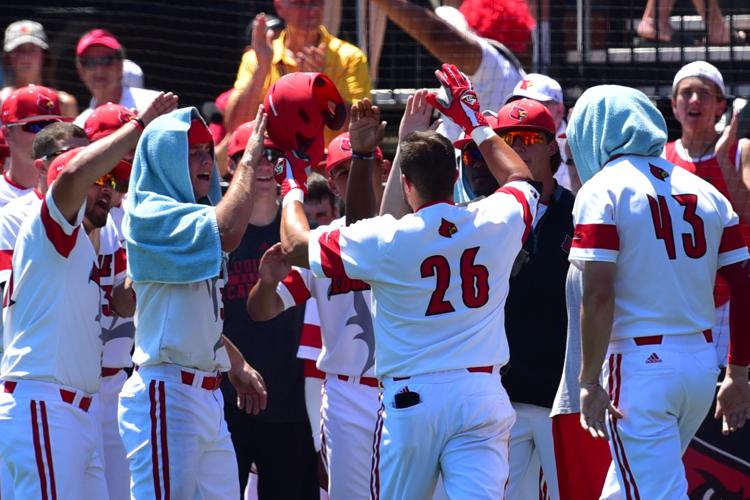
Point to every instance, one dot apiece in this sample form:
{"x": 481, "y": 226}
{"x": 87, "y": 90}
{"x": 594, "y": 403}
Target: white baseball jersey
{"x": 181, "y": 324}
{"x": 9, "y": 190}
{"x": 51, "y": 304}
{"x": 311, "y": 339}
{"x": 439, "y": 278}
{"x": 666, "y": 268}
{"x": 343, "y": 316}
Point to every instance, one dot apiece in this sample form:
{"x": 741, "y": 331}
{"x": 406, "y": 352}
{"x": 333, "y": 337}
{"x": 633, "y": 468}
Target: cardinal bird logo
{"x": 45, "y": 104}
{"x": 469, "y": 98}
{"x": 658, "y": 172}
{"x": 123, "y": 116}
{"x": 345, "y": 144}
{"x": 526, "y": 84}
{"x": 447, "y": 229}
{"x": 518, "y": 113}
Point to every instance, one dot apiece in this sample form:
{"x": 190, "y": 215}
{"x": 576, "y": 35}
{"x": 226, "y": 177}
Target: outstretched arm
{"x": 263, "y": 303}
{"x": 365, "y": 133}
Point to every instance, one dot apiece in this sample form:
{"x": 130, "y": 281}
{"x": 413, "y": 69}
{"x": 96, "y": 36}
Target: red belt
{"x": 369, "y": 381}
{"x": 658, "y": 339}
{"x": 68, "y": 396}
{"x": 473, "y": 369}
{"x": 108, "y": 372}
{"x": 208, "y": 383}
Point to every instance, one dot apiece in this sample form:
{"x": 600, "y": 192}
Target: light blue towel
{"x": 170, "y": 237}
{"x": 610, "y": 120}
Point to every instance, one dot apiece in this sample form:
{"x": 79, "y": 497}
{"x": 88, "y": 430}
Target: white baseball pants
{"x": 116, "y": 470}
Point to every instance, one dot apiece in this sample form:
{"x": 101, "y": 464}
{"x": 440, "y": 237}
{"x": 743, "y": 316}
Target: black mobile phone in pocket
{"x": 406, "y": 399}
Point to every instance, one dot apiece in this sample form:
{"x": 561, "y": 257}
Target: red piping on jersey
{"x": 330, "y": 255}
{"x": 311, "y": 336}
{"x": 731, "y": 239}
{"x": 521, "y": 197}
{"x": 12, "y": 183}
{"x": 602, "y": 236}
{"x": 309, "y": 369}
{"x": 436, "y": 202}
{"x": 6, "y": 259}
{"x": 62, "y": 242}
{"x": 296, "y": 287}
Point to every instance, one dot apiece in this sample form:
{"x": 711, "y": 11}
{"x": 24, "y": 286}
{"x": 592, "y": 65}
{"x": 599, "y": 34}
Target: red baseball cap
{"x": 97, "y": 37}
{"x": 340, "y": 150}
{"x": 525, "y": 114}
{"x": 241, "y": 136}
{"x": 466, "y": 139}
{"x": 4, "y": 149}
{"x": 32, "y": 103}
{"x": 59, "y": 163}
{"x": 105, "y": 119}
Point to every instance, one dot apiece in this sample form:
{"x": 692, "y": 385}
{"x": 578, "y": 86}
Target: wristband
{"x": 138, "y": 122}
{"x": 481, "y": 134}
{"x": 363, "y": 156}
{"x": 294, "y": 194}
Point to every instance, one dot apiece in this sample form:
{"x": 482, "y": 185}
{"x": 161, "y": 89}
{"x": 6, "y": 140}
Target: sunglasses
{"x": 272, "y": 155}
{"x": 51, "y": 156}
{"x": 33, "y": 127}
{"x": 528, "y": 137}
{"x": 93, "y": 62}
{"x": 106, "y": 181}
{"x": 471, "y": 155}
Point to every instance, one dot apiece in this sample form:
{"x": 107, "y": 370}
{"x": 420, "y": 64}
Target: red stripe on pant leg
{"x": 38, "y": 452}
{"x": 164, "y": 447}
{"x": 48, "y": 449}
{"x": 154, "y": 445}
{"x": 617, "y": 435}
{"x": 375, "y": 467}
{"x": 615, "y": 445}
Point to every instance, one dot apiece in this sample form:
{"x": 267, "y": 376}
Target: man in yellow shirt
{"x": 304, "y": 45}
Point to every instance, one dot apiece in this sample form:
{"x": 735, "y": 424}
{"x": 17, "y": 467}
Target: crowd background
{"x": 194, "y": 48}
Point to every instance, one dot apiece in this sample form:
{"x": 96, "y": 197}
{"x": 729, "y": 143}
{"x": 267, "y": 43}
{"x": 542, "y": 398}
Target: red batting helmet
{"x": 298, "y": 106}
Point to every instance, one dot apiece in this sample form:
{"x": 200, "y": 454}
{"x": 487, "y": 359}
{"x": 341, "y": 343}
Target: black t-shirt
{"x": 269, "y": 346}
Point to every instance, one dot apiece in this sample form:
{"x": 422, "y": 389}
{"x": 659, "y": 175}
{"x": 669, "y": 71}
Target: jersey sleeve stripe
{"x": 311, "y": 336}
{"x": 602, "y": 236}
{"x": 121, "y": 261}
{"x": 296, "y": 287}
{"x": 330, "y": 255}
{"x": 62, "y": 242}
{"x": 521, "y": 197}
{"x": 311, "y": 371}
{"x": 731, "y": 239}
{"x": 6, "y": 259}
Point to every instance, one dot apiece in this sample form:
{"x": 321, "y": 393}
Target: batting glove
{"x": 291, "y": 173}
{"x": 460, "y": 102}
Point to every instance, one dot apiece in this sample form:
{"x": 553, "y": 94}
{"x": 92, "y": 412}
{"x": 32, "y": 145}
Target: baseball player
{"x": 52, "y": 361}
{"x": 170, "y": 412}
{"x": 650, "y": 238}
{"x": 27, "y": 111}
{"x": 337, "y": 340}
{"x": 438, "y": 346}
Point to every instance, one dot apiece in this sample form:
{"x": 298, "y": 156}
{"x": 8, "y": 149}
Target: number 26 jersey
{"x": 668, "y": 231}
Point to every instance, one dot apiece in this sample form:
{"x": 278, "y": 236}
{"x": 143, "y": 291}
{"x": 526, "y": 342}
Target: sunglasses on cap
{"x": 51, "y": 156}
{"x": 106, "y": 181}
{"x": 33, "y": 127}
{"x": 93, "y": 62}
{"x": 528, "y": 137}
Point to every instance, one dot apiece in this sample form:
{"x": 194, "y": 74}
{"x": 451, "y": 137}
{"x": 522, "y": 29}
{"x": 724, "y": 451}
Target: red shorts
{"x": 582, "y": 461}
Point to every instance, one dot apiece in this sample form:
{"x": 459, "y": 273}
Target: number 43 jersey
{"x": 668, "y": 231}
{"x": 439, "y": 278}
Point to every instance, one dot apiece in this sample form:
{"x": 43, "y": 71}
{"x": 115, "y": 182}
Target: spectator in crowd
{"x": 698, "y": 102}
{"x": 507, "y": 21}
{"x": 304, "y": 45}
{"x": 132, "y": 74}
{"x": 99, "y": 62}
{"x": 655, "y": 23}
{"x": 178, "y": 227}
{"x": 492, "y": 68}
{"x": 277, "y": 440}
{"x": 24, "y": 113}
{"x": 321, "y": 206}
{"x": 25, "y": 49}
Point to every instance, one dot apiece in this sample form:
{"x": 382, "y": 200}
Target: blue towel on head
{"x": 170, "y": 237}
{"x": 610, "y": 120}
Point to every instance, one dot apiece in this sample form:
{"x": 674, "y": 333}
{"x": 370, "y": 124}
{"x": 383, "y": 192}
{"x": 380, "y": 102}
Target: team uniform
{"x": 10, "y": 190}
{"x": 668, "y": 232}
{"x": 171, "y": 414}
{"x": 438, "y": 286}
{"x": 49, "y": 438}
{"x": 338, "y": 336}
{"x": 707, "y": 168}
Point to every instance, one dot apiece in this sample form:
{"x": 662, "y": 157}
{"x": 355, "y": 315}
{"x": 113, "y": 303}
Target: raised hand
{"x": 273, "y": 265}
{"x": 162, "y": 104}
{"x": 254, "y": 148}
{"x": 416, "y": 115}
{"x": 460, "y": 102}
{"x": 311, "y": 58}
{"x": 262, "y": 43}
{"x": 365, "y": 128}
{"x": 291, "y": 172}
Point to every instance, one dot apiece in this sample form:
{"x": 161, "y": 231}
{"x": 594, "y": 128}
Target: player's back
{"x": 663, "y": 226}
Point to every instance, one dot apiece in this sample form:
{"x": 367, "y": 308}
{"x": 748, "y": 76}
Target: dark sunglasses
{"x": 51, "y": 156}
{"x": 272, "y": 155}
{"x": 93, "y": 62}
{"x": 33, "y": 127}
{"x": 528, "y": 137}
{"x": 107, "y": 180}
{"x": 471, "y": 155}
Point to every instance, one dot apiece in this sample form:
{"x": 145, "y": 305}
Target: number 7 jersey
{"x": 439, "y": 278}
{"x": 668, "y": 231}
